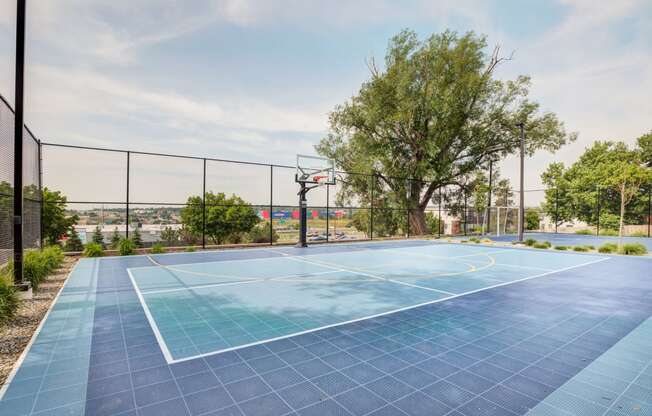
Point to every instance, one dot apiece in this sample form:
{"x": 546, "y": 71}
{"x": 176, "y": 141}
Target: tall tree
{"x": 433, "y": 113}
{"x": 98, "y": 237}
{"x": 56, "y": 223}
{"x": 645, "y": 148}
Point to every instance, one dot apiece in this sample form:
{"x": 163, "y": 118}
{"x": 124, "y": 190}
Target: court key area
{"x": 383, "y": 328}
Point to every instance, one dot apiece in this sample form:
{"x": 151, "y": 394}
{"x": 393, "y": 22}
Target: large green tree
{"x": 56, "y": 223}
{"x": 434, "y": 112}
{"x": 608, "y": 174}
{"x": 226, "y": 217}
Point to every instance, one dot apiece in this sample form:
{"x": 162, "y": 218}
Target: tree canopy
{"x": 608, "y": 171}
{"x": 226, "y": 217}
{"x": 55, "y": 222}
{"x": 434, "y": 112}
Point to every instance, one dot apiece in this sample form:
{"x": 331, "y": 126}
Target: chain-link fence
{"x": 194, "y": 201}
{"x": 32, "y": 200}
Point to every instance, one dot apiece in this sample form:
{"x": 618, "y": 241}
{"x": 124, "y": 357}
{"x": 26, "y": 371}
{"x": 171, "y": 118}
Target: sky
{"x": 255, "y": 80}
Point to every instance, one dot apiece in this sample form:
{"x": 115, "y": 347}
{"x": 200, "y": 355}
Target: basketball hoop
{"x": 321, "y": 180}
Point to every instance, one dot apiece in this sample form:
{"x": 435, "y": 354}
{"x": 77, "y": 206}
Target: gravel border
{"x": 15, "y": 335}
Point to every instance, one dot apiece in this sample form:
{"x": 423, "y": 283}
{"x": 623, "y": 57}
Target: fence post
{"x": 407, "y": 224}
{"x": 649, "y": 209}
{"x": 18, "y": 144}
{"x": 597, "y": 228}
{"x": 465, "y": 210}
{"x": 271, "y": 205}
{"x": 127, "y": 212}
{"x": 371, "y": 213}
{"x": 203, "y": 209}
{"x": 40, "y": 192}
{"x": 556, "y": 208}
{"x": 439, "y": 221}
{"x": 328, "y": 197}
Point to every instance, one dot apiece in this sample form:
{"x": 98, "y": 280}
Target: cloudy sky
{"x": 255, "y": 79}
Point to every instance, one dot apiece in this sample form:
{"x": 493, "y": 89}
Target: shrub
{"x": 98, "y": 237}
{"x": 530, "y": 242}
{"x": 474, "y": 240}
{"x": 53, "y": 256}
{"x": 464, "y": 241}
{"x": 157, "y": 248}
{"x": 638, "y": 234}
{"x": 609, "y": 232}
{"x": 35, "y": 268}
{"x": 584, "y": 232}
{"x": 261, "y": 234}
{"x": 542, "y": 245}
{"x": 189, "y": 249}
{"x": 580, "y": 248}
{"x": 608, "y": 248}
{"x": 561, "y": 248}
{"x": 136, "y": 238}
{"x": 126, "y": 247}
{"x": 93, "y": 250}
{"x": 73, "y": 243}
{"x": 589, "y": 247}
{"x": 633, "y": 249}
{"x": 9, "y": 300}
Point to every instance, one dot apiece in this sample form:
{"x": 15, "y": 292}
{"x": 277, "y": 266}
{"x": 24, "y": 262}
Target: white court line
{"x": 363, "y": 273}
{"x": 152, "y": 322}
{"x": 388, "y": 312}
{"x": 518, "y": 266}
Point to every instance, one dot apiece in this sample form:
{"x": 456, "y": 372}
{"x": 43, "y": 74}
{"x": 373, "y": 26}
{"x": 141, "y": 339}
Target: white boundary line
{"x": 152, "y": 322}
{"x": 28, "y": 347}
{"x": 171, "y": 360}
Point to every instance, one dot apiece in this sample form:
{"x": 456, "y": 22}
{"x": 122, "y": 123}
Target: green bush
{"x": 157, "y": 248}
{"x": 9, "y": 300}
{"x": 189, "y": 249}
{"x": 35, "y": 268}
{"x": 580, "y": 248}
{"x": 474, "y": 240}
{"x": 544, "y": 245}
{"x": 93, "y": 250}
{"x": 73, "y": 243}
{"x": 584, "y": 232}
{"x": 633, "y": 249}
{"x": 589, "y": 247}
{"x": 561, "y": 248}
{"x": 53, "y": 256}
{"x": 608, "y": 248}
{"x": 261, "y": 234}
{"x": 530, "y": 242}
{"x": 126, "y": 247}
{"x": 609, "y": 232}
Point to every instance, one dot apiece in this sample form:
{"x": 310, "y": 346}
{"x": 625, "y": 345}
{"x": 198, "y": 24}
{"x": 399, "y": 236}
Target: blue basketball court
{"x": 384, "y": 328}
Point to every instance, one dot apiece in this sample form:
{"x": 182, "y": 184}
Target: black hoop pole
{"x": 303, "y": 216}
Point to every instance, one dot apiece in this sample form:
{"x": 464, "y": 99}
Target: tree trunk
{"x": 417, "y": 219}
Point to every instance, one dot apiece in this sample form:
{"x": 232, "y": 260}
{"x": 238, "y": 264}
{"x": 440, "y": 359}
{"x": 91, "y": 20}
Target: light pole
{"x": 521, "y": 206}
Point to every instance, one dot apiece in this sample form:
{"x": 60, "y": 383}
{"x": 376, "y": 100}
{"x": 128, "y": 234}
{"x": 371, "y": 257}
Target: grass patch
{"x": 633, "y": 249}
{"x": 609, "y": 233}
{"x": 580, "y": 248}
{"x": 584, "y": 232}
{"x": 561, "y": 248}
{"x": 530, "y": 242}
{"x": 638, "y": 234}
{"x": 542, "y": 245}
{"x": 189, "y": 249}
{"x": 475, "y": 240}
